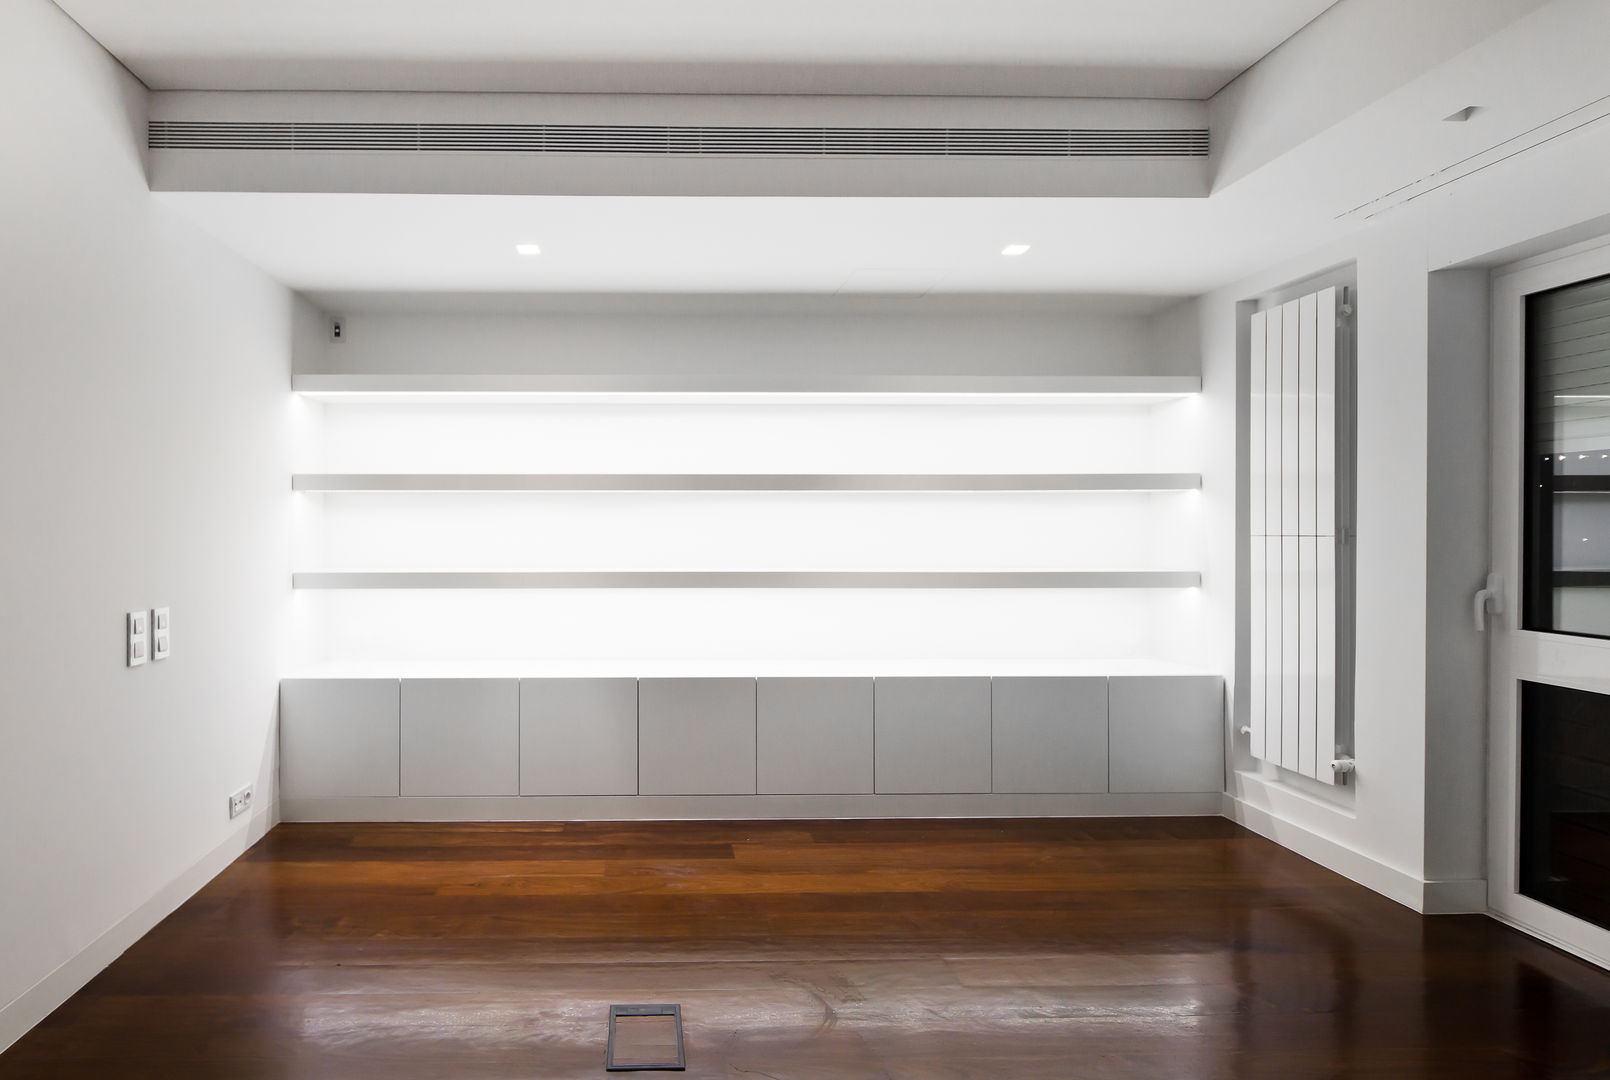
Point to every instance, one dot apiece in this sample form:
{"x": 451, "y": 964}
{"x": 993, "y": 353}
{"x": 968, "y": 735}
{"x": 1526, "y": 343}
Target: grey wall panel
{"x": 578, "y": 737}
{"x": 696, "y": 736}
{"x": 460, "y": 737}
{"x": 814, "y": 736}
{"x": 338, "y": 737}
{"x": 1049, "y": 734}
{"x": 1166, "y": 733}
{"x": 933, "y": 735}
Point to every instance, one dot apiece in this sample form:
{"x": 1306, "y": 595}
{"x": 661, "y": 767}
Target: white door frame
{"x": 1515, "y": 654}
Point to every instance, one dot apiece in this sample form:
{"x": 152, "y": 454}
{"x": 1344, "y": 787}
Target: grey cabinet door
{"x": 696, "y": 736}
{"x": 1167, "y": 732}
{"x": 814, "y": 736}
{"x": 578, "y": 737}
{"x": 1049, "y": 734}
{"x": 932, "y": 735}
{"x": 338, "y": 737}
{"x": 460, "y": 737}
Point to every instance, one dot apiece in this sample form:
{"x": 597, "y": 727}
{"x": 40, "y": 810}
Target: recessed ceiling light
{"x": 527, "y": 249}
{"x": 1015, "y": 249}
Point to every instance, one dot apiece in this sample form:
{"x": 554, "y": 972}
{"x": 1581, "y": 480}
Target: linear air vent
{"x": 1594, "y": 112}
{"x": 680, "y": 141}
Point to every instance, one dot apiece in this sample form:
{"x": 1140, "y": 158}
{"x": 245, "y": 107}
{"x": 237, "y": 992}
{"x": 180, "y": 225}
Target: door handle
{"x": 1489, "y": 601}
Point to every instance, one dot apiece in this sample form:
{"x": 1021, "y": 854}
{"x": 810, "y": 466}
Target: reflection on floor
{"x": 1153, "y": 948}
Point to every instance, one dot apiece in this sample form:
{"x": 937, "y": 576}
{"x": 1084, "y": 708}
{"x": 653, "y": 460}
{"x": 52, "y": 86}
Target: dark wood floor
{"x": 1090, "y": 948}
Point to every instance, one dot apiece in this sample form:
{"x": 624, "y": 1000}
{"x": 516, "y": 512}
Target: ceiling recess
{"x": 679, "y": 141}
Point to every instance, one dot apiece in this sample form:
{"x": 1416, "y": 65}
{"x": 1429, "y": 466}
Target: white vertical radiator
{"x": 1299, "y": 485}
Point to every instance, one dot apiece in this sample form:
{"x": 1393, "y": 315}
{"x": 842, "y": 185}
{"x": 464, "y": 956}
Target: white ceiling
{"x": 429, "y": 243}
{"x": 1064, "y": 48}
{"x": 1541, "y": 72}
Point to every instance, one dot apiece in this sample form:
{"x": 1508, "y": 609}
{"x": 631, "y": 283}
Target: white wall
{"x": 726, "y": 336}
{"x": 144, "y": 431}
{"x": 1457, "y": 557}
{"x": 1350, "y": 57}
{"x": 1190, "y": 626}
{"x": 1411, "y": 824}
{"x": 1378, "y": 823}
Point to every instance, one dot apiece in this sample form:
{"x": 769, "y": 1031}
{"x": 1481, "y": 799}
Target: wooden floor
{"x": 1089, "y": 948}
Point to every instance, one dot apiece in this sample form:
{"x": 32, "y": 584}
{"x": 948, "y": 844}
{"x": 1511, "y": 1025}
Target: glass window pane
{"x": 1567, "y": 548}
{"x": 1565, "y": 800}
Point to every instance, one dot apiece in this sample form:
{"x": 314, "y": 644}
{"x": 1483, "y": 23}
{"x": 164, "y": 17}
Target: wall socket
{"x": 137, "y": 639}
{"x": 161, "y": 634}
{"x": 240, "y": 802}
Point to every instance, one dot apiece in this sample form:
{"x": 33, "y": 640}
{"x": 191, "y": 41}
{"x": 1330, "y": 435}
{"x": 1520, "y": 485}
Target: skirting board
{"x": 1426, "y": 897}
{"x": 48, "y": 994}
{"x": 1454, "y": 897}
{"x": 740, "y": 807}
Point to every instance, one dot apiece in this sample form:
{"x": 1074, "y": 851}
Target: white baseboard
{"x": 729, "y": 807}
{"x": 20, "y": 1016}
{"x": 1457, "y": 897}
{"x": 1426, "y": 897}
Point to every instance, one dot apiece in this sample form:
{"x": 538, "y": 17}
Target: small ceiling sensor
{"x": 527, "y": 249}
{"x": 1015, "y": 249}
{"x": 1462, "y": 115}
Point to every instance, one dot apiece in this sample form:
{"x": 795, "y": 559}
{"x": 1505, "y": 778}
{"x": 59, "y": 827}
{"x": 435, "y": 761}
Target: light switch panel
{"x": 161, "y": 640}
{"x": 138, "y": 636}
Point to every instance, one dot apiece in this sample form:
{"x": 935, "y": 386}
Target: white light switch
{"x": 136, "y": 626}
{"x": 160, "y": 642}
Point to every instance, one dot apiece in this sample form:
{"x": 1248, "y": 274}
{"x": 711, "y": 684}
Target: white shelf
{"x": 745, "y": 579}
{"x": 745, "y": 388}
{"x": 853, "y": 482}
{"x": 741, "y": 668}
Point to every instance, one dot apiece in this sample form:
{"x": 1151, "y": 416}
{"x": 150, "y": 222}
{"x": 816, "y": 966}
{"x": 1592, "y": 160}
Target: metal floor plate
{"x": 644, "y": 1038}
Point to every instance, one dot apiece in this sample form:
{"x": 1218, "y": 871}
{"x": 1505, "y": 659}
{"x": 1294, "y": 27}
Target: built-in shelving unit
{"x": 459, "y": 521}
{"x": 739, "y": 482}
{"x": 745, "y": 579}
{"x": 515, "y": 387}
{"x": 804, "y": 587}
{"x": 537, "y": 746}
{"x": 773, "y": 667}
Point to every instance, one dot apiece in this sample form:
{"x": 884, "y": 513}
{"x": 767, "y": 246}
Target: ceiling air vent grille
{"x": 684, "y": 141}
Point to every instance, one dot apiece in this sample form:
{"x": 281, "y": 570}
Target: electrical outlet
{"x": 136, "y": 626}
{"x": 240, "y": 802}
{"x": 161, "y": 636}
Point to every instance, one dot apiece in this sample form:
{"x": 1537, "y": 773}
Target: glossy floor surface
{"x": 1089, "y": 948}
